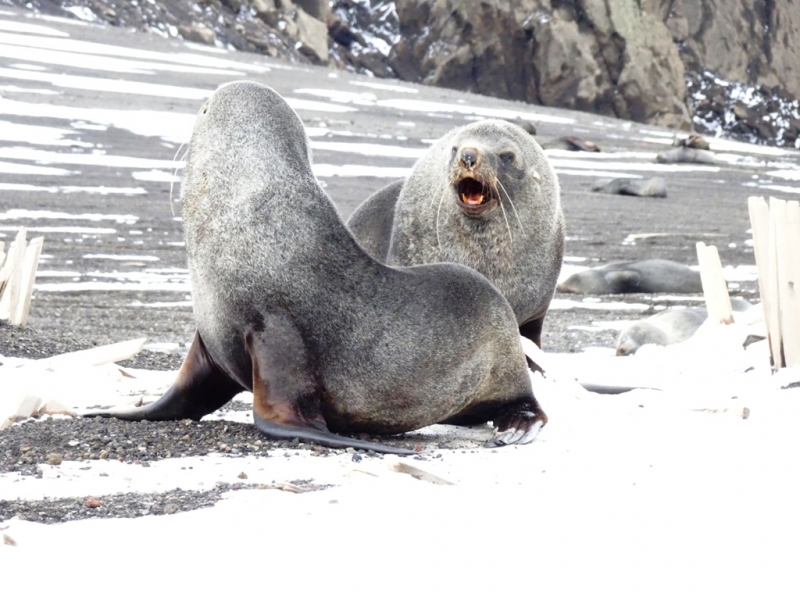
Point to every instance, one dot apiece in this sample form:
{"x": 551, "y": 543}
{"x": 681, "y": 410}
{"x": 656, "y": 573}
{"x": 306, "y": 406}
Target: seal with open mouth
{"x": 289, "y": 306}
{"x": 484, "y": 196}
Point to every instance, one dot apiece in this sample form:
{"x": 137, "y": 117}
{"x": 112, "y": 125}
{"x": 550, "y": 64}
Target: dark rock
{"x": 197, "y": 33}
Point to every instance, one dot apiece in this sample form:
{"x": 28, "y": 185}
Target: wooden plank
{"x": 760, "y": 222}
{"x": 29, "y": 267}
{"x": 98, "y": 356}
{"x": 788, "y": 254}
{"x": 777, "y": 213}
{"x": 3, "y": 274}
{"x": 10, "y": 297}
{"x": 715, "y": 288}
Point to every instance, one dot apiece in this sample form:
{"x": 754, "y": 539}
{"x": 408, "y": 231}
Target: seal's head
{"x": 637, "y": 335}
{"x": 488, "y": 160}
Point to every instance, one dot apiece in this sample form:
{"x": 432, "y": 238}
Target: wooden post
{"x": 786, "y": 229}
{"x": 29, "y": 266}
{"x": 760, "y": 221}
{"x": 3, "y": 275}
{"x": 715, "y": 288}
{"x": 13, "y": 266}
{"x": 776, "y": 229}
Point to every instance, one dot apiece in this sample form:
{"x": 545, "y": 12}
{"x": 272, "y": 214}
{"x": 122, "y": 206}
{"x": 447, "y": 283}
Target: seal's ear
{"x": 535, "y": 175}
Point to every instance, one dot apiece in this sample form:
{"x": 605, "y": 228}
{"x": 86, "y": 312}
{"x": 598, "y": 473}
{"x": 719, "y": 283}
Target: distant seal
{"x": 655, "y": 187}
{"x": 665, "y": 328}
{"x": 484, "y": 196}
{"x": 635, "y": 277}
{"x": 671, "y": 326}
{"x": 288, "y": 305}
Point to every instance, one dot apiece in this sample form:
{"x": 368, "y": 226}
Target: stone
{"x": 313, "y": 35}
{"x": 197, "y": 33}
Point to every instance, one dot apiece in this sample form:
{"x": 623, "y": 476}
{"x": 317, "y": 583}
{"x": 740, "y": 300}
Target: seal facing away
{"x": 288, "y": 305}
{"x": 635, "y": 277}
{"x": 484, "y": 196}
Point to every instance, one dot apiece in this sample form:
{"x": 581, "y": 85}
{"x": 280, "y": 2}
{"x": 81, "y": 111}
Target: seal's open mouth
{"x": 474, "y": 197}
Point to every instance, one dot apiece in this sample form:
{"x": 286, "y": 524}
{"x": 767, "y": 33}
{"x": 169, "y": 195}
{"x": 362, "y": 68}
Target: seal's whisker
{"x": 440, "y": 190}
{"x": 174, "y": 173}
{"x": 508, "y": 227}
{"x": 438, "y": 210}
{"x": 502, "y": 187}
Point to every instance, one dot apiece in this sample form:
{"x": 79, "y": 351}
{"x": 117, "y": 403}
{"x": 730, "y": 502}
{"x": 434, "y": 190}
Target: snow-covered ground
{"x": 649, "y": 494}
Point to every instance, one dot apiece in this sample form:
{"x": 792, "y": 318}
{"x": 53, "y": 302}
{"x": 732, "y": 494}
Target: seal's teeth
{"x": 472, "y": 198}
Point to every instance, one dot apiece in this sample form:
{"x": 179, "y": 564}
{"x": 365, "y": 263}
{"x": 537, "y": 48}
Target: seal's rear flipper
{"x": 322, "y": 437}
{"x": 518, "y": 424}
{"x": 199, "y": 389}
{"x": 286, "y": 399}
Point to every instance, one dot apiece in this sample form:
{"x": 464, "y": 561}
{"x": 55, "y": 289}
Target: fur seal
{"x": 484, "y": 196}
{"x": 655, "y": 187}
{"x": 288, "y": 305}
{"x": 635, "y": 277}
{"x": 671, "y": 326}
{"x": 665, "y": 328}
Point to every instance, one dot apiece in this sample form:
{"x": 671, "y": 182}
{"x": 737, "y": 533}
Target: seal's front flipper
{"x": 518, "y": 423}
{"x": 286, "y": 398}
{"x": 199, "y": 389}
{"x": 624, "y": 282}
{"x": 532, "y": 330}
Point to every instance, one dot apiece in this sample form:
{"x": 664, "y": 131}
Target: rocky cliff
{"x": 713, "y": 65}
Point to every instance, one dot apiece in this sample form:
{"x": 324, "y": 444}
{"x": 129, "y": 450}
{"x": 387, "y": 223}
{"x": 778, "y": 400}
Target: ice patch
{"x": 18, "y": 213}
{"x": 387, "y": 87}
{"x": 30, "y": 28}
{"x": 369, "y": 149}
{"x": 106, "y": 63}
{"x": 19, "y": 169}
{"x": 122, "y": 257}
{"x": 99, "y": 160}
{"x": 159, "y": 176}
{"x": 494, "y": 113}
{"x": 119, "y": 86}
{"x": 173, "y": 127}
{"x": 327, "y": 170}
{"x": 71, "y": 189}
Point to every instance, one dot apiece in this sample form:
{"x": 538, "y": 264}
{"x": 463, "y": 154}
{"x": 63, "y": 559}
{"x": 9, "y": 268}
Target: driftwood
{"x": 776, "y": 229}
{"x": 17, "y": 276}
{"x": 50, "y": 385}
{"x": 715, "y": 288}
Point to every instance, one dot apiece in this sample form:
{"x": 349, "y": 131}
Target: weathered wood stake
{"x": 715, "y": 288}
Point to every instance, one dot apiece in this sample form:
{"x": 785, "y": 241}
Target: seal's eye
{"x": 204, "y": 109}
{"x": 507, "y": 157}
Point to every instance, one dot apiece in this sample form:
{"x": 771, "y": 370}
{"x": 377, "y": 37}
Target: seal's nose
{"x": 469, "y": 157}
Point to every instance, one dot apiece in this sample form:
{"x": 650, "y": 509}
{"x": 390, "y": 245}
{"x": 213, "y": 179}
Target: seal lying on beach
{"x": 671, "y": 326}
{"x": 635, "y": 277}
{"x": 288, "y": 305}
{"x": 484, "y": 196}
{"x": 665, "y": 328}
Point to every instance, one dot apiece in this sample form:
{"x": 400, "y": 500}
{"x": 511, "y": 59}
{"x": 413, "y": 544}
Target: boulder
{"x": 313, "y": 35}
{"x": 613, "y": 57}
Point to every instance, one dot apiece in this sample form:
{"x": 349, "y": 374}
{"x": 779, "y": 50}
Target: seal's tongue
{"x": 471, "y": 191}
